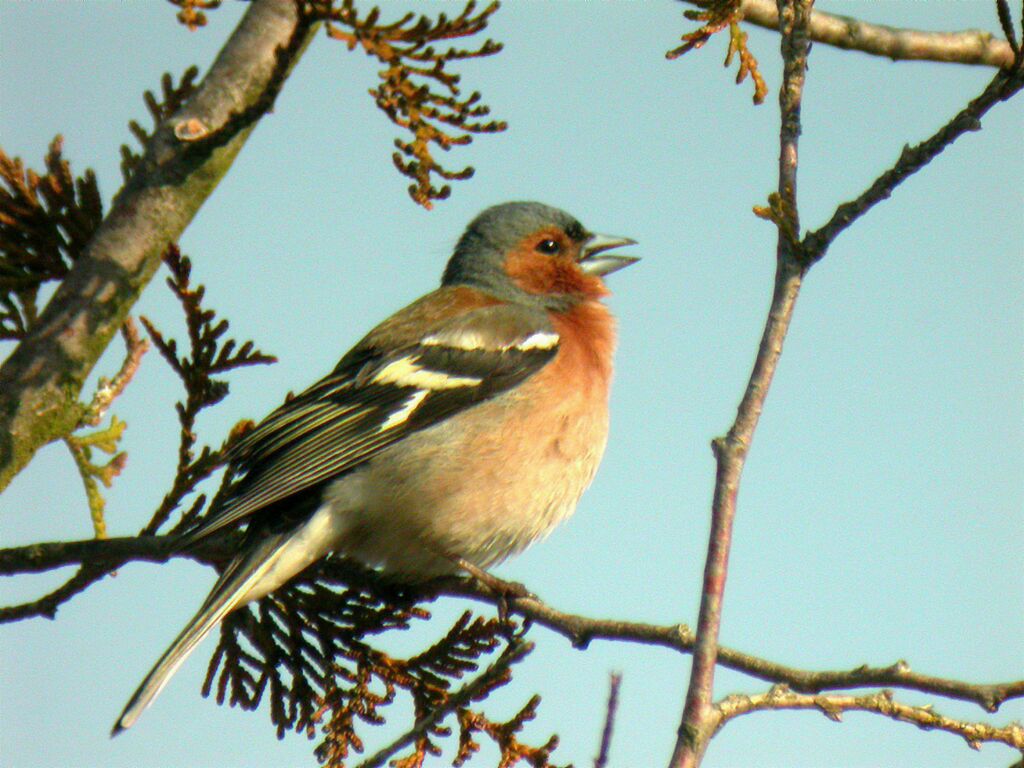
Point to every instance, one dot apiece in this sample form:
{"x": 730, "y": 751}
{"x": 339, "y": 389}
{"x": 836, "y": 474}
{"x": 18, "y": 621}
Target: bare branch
{"x": 1006, "y": 22}
{"x": 614, "y": 682}
{"x": 40, "y": 382}
{"x": 110, "y": 554}
{"x": 1003, "y": 86}
{"x": 582, "y": 630}
{"x": 731, "y": 451}
{"x": 47, "y": 605}
{"x": 967, "y": 47}
{"x": 882, "y": 703}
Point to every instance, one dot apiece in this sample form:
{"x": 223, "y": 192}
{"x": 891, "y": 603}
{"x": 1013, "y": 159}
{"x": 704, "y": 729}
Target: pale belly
{"x": 449, "y": 490}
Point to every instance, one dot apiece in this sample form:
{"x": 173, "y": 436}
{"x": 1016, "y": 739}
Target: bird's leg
{"x": 505, "y": 591}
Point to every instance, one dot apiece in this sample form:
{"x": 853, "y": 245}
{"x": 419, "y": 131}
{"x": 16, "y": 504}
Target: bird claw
{"x": 506, "y": 592}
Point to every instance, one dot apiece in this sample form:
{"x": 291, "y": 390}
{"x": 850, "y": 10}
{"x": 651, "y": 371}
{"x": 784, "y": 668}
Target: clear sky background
{"x": 881, "y": 510}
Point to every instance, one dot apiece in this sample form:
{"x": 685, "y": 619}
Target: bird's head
{"x": 536, "y": 253}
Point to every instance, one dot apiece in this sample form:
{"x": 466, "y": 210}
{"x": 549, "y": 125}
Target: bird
{"x": 455, "y": 434}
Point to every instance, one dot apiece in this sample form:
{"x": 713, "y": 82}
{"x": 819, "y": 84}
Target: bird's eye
{"x": 548, "y": 246}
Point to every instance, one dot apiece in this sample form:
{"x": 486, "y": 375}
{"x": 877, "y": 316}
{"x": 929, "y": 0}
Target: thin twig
{"x": 1004, "y": 85}
{"x": 108, "y": 391}
{"x": 47, "y": 605}
{"x": 46, "y": 556}
{"x": 1006, "y": 22}
{"x": 614, "y": 682}
{"x": 882, "y": 703}
{"x": 972, "y": 47}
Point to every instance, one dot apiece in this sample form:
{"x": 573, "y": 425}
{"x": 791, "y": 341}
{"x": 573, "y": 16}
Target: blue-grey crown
{"x": 480, "y": 253}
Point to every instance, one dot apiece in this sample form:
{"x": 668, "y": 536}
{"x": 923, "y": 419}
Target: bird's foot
{"x": 505, "y": 591}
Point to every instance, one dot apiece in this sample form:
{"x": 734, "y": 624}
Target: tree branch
{"x": 881, "y": 703}
{"x": 695, "y": 729}
{"x": 973, "y": 47}
{"x": 108, "y": 391}
{"x": 47, "y": 605}
{"x": 1003, "y": 86}
{"x": 105, "y": 555}
{"x": 47, "y": 556}
{"x": 41, "y": 381}
{"x": 615, "y": 681}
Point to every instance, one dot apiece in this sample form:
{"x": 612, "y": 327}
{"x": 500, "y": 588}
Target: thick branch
{"x": 47, "y": 556}
{"x": 104, "y": 555}
{"x": 186, "y": 158}
{"x": 966, "y": 47}
{"x": 882, "y": 703}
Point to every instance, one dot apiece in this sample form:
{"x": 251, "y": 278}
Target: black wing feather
{"x": 342, "y": 421}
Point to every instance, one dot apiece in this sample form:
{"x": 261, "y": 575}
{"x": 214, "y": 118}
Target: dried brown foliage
{"x": 191, "y": 13}
{"x": 716, "y": 17}
{"x": 173, "y": 96}
{"x": 46, "y": 220}
{"x": 208, "y": 358}
{"x": 417, "y": 92}
{"x": 309, "y": 650}
{"x": 504, "y": 736}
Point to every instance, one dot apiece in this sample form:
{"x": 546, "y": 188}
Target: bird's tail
{"x": 230, "y": 592}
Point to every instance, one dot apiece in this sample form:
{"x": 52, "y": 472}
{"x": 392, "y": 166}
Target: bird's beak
{"x": 594, "y": 259}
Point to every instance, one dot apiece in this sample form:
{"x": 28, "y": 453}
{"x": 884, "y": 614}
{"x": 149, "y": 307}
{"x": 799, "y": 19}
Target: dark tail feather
{"x": 228, "y": 594}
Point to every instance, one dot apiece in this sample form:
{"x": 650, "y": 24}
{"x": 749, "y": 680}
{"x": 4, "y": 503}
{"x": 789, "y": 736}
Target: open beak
{"x": 595, "y": 259}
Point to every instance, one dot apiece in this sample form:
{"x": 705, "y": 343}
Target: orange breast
{"x": 587, "y": 343}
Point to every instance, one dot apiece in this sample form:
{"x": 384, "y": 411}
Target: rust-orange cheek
{"x": 537, "y": 273}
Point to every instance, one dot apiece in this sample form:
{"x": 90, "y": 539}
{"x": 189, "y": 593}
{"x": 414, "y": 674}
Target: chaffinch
{"x": 458, "y": 431}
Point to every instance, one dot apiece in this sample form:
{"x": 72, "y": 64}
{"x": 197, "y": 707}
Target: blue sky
{"x": 882, "y": 510}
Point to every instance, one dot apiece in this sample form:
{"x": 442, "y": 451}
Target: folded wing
{"x": 374, "y": 398}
